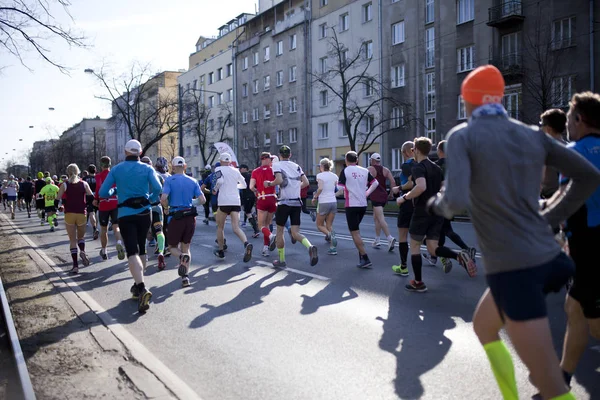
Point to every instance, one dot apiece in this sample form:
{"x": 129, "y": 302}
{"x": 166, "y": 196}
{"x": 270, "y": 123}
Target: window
{"x": 211, "y": 78}
{"x": 323, "y": 98}
{"x": 279, "y": 107}
{"x": 430, "y": 92}
{"x": 220, "y": 123}
{"x": 195, "y": 84}
{"x": 219, "y": 74}
{"x": 255, "y": 86}
{"x": 187, "y": 87}
{"x": 510, "y": 49}
{"x": 398, "y": 32}
{"x": 279, "y": 137}
{"x": 293, "y": 74}
{"x": 322, "y": 31}
{"x": 229, "y": 70}
{"x": 366, "y": 156}
{"x": 396, "y": 117}
{"x": 397, "y": 76}
{"x": 211, "y": 124}
{"x": 430, "y": 48}
{"x": 255, "y": 141}
{"x": 220, "y": 98}
{"x": 369, "y": 123}
{"x": 293, "y": 104}
{"x": 267, "y": 53}
{"x": 280, "y": 47}
{"x": 279, "y": 76}
{"x": 323, "y": 65}
{"x": 196, "y": 149}
{"x": 244, "y": 117}
{"x": 267, "y": 82}
{"x": 246, "y": 144}
{"x": 245, "y": 63}
{"x": 229, "y": 95}
{"x": 293, "y": 135}
{"x": 255, "y": 58}
{"x": 267, "y": 111}
{"x": 201, "y": 80}
{"x": 429, "y": 11}
{"x": 211, "y": 101}
{"x": 466, "y": 58}
{"x": 255, "y": 115}
{"x": 368, "y": 49}
{"x": 344, "y": 58}
{"x": 369, "y": 86}
{"x": 465, "y": 11}
{"x": 323, "y": 3}
{"x": 245, "y": 90}
{"x": 462, "y": 113}
{"x": 562, "y": 33}
{"x": 396, "y": 159}
{"x": 562, "y": 90}
{"x": 430, "y": 126}
{"x": 512, "y": 101}
{"x": 188, "y": 151}
{"x": 342, "y": 129}
{"x": 323, "y": 130}
{"x": 292, "y": 41}
{"x": 267, "y": 139}
{"x": 197, "y": 172}
{"x": 344, "y": 22}
{"x": 367, "y": 12}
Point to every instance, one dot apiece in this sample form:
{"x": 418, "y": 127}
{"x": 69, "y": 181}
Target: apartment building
{"x": 272, "y": 83}
{"x": 207, "y": 95}
{"x": 87, "y": 139}
{"x": 542, "y": 49}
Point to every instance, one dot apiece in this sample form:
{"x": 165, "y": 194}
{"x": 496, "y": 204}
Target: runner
{"x": 583, "y": 300}
{"x": 206, "y": 192}
{"x": 138, "y": 187}
{"x": 405, "y": 211}
{"x": 518, "y": 247}
{"x": 90, "y": 179}
{"x": 27, "y": 190}
{"x": 107, "y": 212}
{"x": 248, "y": 199}
{"x": 304, "y": 197}
{"x": 162, "y": 168}
{"x": 178, "y": 194}
{"x": 40, "y": 203}
{"x": 155, "y": 236}
{"x": 266, "y": 200}
{"x": 11, "y": 187}
{"x": 228, "y": 182}
{"x": 554, "y": 123}
{"x": 379, "y": 199}
{"x": 4, "y": 193}
{"x": 327, "y": 183}
{"x": 50, "y": 192}
{"x": 20, "y": 195}
{"x": 77, "y": 191}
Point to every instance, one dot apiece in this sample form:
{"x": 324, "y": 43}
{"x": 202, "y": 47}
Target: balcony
{"x": 506, "y": 14}
{"x": 292, "y": 19}
{"x": 509, "y": 64}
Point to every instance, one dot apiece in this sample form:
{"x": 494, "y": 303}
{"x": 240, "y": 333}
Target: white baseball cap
{"x": 134, "y": 147}
{"x": 376, "y": 156}
{"x": 207, "y": 167}
{"x": 225, "y": 157}
{"x": 178, "y": 161}
{"x": 274, "y": 159}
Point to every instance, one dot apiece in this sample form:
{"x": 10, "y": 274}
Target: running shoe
{"x": 103, "y": 254}
{"x": 84, "y": 258}
{"x": 248, "y": 252}
{"x": 265, "y": 251}
{"x": 464, "y": 258}
{"x": 365, "y": 263}
{"x": 432, "y": 260}
{"x": 42, "y": 222}
{"x": 333, "y": 239}
{"x": 52, "y": 228}
{"x": 314, "y": 257}
{"x": 376, "y": 244}
{"x": 415, "y": 286}
{"x": 120, "y": 251}
{"x": 152, "y": 243}
{"x": 401, "y": 270}
{"x": 74, "y": 270}
{"x": 135, "y": 292}
{"x": 55, "y": 222}
{"x": 110, "y": 227}
{"x": 219, "y": 253}
{"x": 167, "y": 252}
{"x": 12, "y": 216}
{"x": 205, "y": 220}
{"x": 292, "y": 236}
{"x": 391, "y": 245}
{"x": 185, "y": 281}
{"x": 446, "y": 264}
{"x": 328, "y": 238}
{"x": 156, "y": 250}
{"x": 472, "y": 252}
{"x": 28, "y": 215}
{"x": 279, "y": 264}
{"x": 272, "y": 242}
{"x": 161, "y": 262}
{"x": 255, "y": 235}
{"x": 313, "y": 216}
{"x": 144, "y": 300}
{"x": 184, "y": 265}
{"x": 243, "y": 224}
{"x": 96, "y": 234}
{"x": 332, "y": 251}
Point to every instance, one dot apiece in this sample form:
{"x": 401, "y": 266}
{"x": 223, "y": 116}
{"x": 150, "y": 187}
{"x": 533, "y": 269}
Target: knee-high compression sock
{"x": 417, "y": 264}
{"x": 566, "y": 396}
{"x": 281, "y": 254}
{"x": 81, "y": 245}
{"x": 403, "y": 252}
{"x": 503, "y": 369}
{"x": 457, "y": 239}
{"x": 51, "y": 219}
{"x": 445, "y": 252}
{"x": 253, "y": 223}
{"x": 306, "y": 243}
{"x": 160, "y": 240}
{"x": 74, "y": 257}
{"x": 266, "y": 235}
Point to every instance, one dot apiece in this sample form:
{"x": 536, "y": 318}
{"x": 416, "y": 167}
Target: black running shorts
{"x": 105, "y": 216}
{"x": 229, "y": 209}
{"x": 134, "y": 229}
{"x": 404, "y": 217}
{"x": 423, "y": 225}
{"x": 248, "y": 204}
{"x": 354, "y": 216}
{"x": 284, "y": 211}
{"x": 586, "y": 285}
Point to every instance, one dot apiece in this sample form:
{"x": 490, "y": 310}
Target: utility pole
{"x": 94, "y": 130}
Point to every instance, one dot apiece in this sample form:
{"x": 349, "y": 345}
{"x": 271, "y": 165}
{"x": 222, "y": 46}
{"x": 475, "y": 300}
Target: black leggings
{"x": 449, "y": 232}
{"x": 304, "y": 209}
{"x": 207, "y": 206}
{"x": 134, "y": 229}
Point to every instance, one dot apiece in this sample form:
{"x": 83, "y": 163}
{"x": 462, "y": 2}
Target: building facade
{"x": 87, "y": 139}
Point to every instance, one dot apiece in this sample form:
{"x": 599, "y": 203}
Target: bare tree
{"x": 147, "y": 113}
{"x": 347, "y": 80}
{"x": 251, "y": 154}
{"x": 30, "y": 25}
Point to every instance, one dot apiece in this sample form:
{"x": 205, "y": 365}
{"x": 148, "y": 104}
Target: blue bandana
{"x": 490, "y": 109}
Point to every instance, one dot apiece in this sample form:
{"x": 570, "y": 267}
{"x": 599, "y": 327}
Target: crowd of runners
{"x": 533, "y": 199}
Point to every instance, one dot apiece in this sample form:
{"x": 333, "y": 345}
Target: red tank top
{"x": 379, "y": 195}
{"x": 75, "y": 196}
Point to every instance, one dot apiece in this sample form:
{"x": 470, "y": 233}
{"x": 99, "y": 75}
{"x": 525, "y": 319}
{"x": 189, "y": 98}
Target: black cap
{"x": 285, "y": 151}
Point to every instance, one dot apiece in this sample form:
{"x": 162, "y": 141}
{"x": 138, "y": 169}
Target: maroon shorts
{"x": 268, "y": 204}
{"x": 181, "y": 230}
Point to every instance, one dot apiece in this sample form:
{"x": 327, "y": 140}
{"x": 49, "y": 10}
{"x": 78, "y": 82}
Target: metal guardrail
{"x": 22, "y": 373}
{"x": 513, "y": 8}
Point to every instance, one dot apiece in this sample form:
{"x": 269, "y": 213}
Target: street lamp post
{"x": 94, "y": 130}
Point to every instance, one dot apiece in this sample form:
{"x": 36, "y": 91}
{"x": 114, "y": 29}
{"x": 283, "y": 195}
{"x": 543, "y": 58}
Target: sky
{"x": 119, "y": 32}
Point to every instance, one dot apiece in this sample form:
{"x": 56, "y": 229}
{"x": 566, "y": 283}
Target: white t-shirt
{"x": 330, "y": 181}
{"x": 229, "y": 182}
{"x": 355, "y": 180}
{"x": 289, "y": 192}
{"x": 11, "y": 188}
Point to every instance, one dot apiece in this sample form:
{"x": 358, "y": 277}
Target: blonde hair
{"x": 326, "y": 163}
{"x": 73, "y": 173}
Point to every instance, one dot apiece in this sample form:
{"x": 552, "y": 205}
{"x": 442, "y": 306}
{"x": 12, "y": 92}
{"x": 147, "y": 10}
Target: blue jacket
{"x": 133, "y": 179}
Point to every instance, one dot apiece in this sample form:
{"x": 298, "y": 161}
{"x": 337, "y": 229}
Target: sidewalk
{"x": 70, "y": 353}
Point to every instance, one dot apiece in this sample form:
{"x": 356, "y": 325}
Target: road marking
{"x": 136, "y": 349}
{"x": 296, "y": 271}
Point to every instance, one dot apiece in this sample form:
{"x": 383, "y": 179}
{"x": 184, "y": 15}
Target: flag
{"x": 225, "y": 148}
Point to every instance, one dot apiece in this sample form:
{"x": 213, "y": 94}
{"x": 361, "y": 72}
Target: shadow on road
{"x": 334, "y": 293}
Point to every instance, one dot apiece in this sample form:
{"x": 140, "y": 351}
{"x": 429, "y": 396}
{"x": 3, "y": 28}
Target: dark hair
{"x": 244, "y": 166}
{"x": 442, "y": 145}
{"x": 555, "y": 119}
{"x": 423, "y": 144}
{"x": 587, "y": 106}
{"x": 351, "y": 157}
{"x": 105, "y": 162}
{"x": 28, "y": 178}
{"x": 91, "y": 169}
{"x": 285, "y": 151}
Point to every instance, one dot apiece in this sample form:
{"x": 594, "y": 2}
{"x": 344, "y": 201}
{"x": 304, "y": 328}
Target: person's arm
{"x": 304, "y": 181}
{"x": 373, "y": 184}
{"x": 199, "y": 198}
{"x": 341, "y": 184}
{"x": 253, "y": 184}
{"x": 241, "y": 182}
{"x": 278, "y": 179}
{"x": 372, "y": 171}
{"x": 61, "y": 190}
{"x": 164, "y": 197}
{"x": 88, "y": 190}
{"x": 419, "y": 187}
{"x": 319, "y": 190}
{"x": 155, "y": 186}
{"x": 218, "y": 181}
{"x": 106, "y": 189}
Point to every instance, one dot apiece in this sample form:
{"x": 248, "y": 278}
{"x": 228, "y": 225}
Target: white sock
{"x": 119, "y": 242}
{"x": 390, "y": 238}
{"x": 377, "y": 238}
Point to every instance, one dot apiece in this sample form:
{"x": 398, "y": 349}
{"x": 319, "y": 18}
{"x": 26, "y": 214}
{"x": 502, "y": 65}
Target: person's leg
{"x": 220, "y": 219}
{"x": 380, "y": 219}
{"x": 415, "y": 257}
{"x": 455, "y": 237}
{"x": 72, "y": 233}
{"x": 403, "y": 245}
{"x": 576, "y": 337}
{"x": 320, "y": 224}
{"x": 329, "y": 221}
{"x": 235, "y": 226}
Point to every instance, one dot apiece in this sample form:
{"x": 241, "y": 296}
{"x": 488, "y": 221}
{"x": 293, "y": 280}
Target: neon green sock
{"x": 160, "y": 240}
{"x": 281, "y": 254}
{"x": 306, "y": 243}
{"x": 503, "y": 369}
{"x": 566, "y": 396}
{"x": 50, "y": 219}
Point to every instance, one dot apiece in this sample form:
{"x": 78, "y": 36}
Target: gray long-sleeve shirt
{"x": 494, "y": 169}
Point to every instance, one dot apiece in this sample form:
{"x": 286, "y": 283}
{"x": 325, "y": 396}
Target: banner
{"x": 225, "y": 148}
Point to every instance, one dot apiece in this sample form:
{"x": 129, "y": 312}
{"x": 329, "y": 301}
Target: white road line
{"x": 296, "y": 271}
{"x": 137, "y": 349}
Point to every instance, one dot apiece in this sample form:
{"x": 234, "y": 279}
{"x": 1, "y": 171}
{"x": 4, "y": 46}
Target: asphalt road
{"x": 326, "y": 332}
